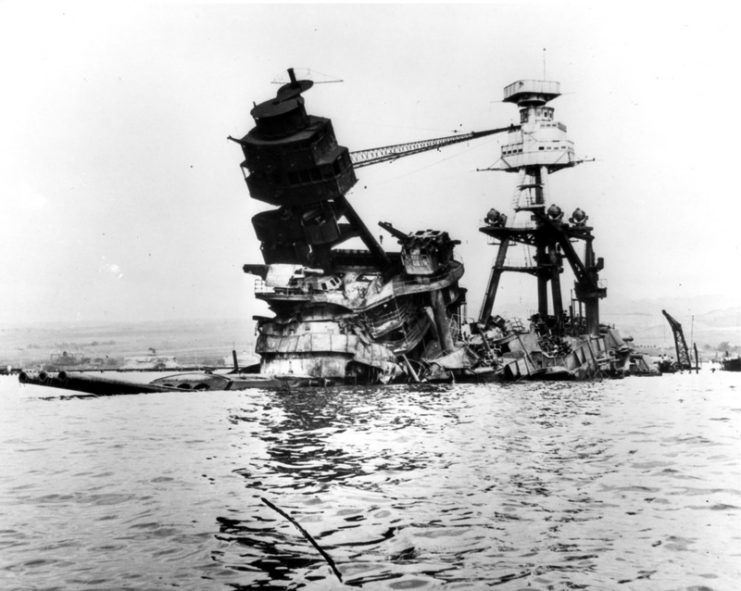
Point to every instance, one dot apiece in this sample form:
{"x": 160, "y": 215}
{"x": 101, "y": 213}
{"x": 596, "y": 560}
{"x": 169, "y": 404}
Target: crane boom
{"x": 683, "y": 355}
{"x": 370, "y": 156}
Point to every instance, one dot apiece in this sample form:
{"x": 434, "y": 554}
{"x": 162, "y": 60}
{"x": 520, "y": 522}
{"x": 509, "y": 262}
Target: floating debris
{"x": 306, "y": 535}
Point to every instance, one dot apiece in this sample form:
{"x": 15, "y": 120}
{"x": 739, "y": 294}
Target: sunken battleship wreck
{"x": 369, "y": 316}
{"x": 374, "y": 316}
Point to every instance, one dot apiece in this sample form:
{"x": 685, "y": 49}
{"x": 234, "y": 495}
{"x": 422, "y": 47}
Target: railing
{"x": 261, "y": 287}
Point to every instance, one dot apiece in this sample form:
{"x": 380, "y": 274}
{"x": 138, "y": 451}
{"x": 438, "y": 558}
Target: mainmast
{"x": 535, "y": 150}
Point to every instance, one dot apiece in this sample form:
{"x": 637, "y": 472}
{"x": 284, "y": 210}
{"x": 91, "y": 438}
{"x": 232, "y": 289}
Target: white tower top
{"x": 540, "y": 90}
{"x": 540, "y": 141}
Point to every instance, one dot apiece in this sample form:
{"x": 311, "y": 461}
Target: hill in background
{"x": 204, "y": 342}
{"x": 191, "y": 342}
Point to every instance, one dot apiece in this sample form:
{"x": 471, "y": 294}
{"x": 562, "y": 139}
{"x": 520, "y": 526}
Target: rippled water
{"x": 629, "y": 484}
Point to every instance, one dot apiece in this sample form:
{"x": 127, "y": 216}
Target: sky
{"x": 122, "y": 199}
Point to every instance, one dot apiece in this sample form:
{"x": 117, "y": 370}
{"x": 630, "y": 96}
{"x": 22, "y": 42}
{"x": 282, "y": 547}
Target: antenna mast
{"x": 544, "y": 76}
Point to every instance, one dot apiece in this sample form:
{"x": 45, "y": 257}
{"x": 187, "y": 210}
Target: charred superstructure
{"x": 357, "y": 315}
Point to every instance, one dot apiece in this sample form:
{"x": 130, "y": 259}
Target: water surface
{"x": 632, "y": 484}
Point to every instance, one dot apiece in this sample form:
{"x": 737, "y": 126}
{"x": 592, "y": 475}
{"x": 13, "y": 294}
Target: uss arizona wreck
{"x": 377, "y": 316}
{"x": 374, "y": 315}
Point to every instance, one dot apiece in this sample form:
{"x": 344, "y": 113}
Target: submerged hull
{"x": 105, "y": 386}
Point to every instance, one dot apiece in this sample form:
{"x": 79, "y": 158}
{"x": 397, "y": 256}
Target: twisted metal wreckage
{"x": 348, "y": 316}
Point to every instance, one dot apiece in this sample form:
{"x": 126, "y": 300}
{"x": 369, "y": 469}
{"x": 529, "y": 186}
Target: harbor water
{"x": 630, "y": 484}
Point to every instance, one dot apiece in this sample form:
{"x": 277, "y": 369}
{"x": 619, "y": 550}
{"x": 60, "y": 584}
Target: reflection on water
{"x": 630, "y": 484}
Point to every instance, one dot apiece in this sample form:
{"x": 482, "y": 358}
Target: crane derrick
{"x": 680, "y": 345}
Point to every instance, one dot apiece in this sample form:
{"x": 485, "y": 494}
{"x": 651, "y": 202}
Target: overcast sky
{"x": 123, "y": 200}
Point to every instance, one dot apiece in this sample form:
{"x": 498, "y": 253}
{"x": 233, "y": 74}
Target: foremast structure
{"x": 340, "y": 314}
